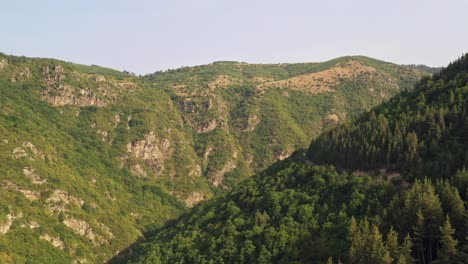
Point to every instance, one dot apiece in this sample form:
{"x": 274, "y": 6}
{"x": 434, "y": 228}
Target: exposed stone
{"x": 5, "y": 227}
{"x": 53, "y": 74}
{"x": 55, "y": 241}
{"x": 217, "y": 178}
{"x": 21, "y": 75}
{"x": 116, "y": 120}
{"x": 283, "y": 155}
{"x": 194, "y": 198}
{"x": 66, "y": 95}
{"x": 252, "y": 122}
{"x": 152, "y": 150}
{"x": 129, "y": 118}
{"x": 197, "y": 171}
{"x": 84, "y": 229}
{"x": 59, "y": 200}
{"x": 138, "y": 170}
{"x": 106, "y": 230}
{"x": 29, "y": 194}
{"x": 104, "y": 134}
{"x": 30, "y": 173}
{"x": 21, "y": 152}
{"x": 33, "y": 225}
{"x": 207, "y": 153}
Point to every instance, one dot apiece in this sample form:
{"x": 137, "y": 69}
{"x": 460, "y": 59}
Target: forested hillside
{"x": 91, "y": 158}
{"x": 399, "y": 195}
{"x": 421, "y": 133}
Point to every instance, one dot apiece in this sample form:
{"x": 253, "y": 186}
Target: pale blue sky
{"x": 144, "y": 36}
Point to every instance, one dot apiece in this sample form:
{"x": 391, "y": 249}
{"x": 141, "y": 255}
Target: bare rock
{"x": 21, "y": 75}
{"x": 116, "y": 120}
{"x": 152, "y": 150}
{"x": 194, "y": 198}
{"x": 59, "y": 200}
{"x": 217, "y": 178}
{"x": 84, "y": 229}
{"x": 66, "y": 95}
{"x": 27, "y": 150}
{"x": 55, "y": 241}
{"x": 252, "y": 122}
{"x": 30, "y": 173}
{"x": 29, "y": 194}
{"x": 5, "y": 227}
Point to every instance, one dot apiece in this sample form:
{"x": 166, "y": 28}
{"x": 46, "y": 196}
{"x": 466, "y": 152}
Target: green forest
{"x": 387, "y": 187}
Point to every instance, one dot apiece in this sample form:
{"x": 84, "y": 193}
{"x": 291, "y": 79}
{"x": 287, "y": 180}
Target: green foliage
{"x": 298, "y": 212}
{"x": 421, "y": 133}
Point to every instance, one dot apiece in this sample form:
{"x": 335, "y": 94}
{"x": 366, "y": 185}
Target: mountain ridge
{"x": 84, "y": 145}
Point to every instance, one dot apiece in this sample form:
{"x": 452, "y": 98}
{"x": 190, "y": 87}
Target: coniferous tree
{"x": 448, "y": 251}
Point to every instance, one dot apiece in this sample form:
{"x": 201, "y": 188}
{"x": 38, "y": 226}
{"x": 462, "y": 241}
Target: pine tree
{"x": 448, "y": 250}
{"x": 392, "y": 244}
{"x": 419, "y": 235}
{"x": 406, "y": 249}
{"x": 379, "y": 252}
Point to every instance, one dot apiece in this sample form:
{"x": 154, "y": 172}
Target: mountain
{"x": 91, "y": 157}
{"x": 250, "y": 115}
{"x": 398, "y": 196}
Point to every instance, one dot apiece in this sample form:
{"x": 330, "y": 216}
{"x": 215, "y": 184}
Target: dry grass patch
{"x": 320, "y": 82}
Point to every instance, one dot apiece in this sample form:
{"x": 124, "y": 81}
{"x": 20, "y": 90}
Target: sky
{"x": 144, "y": 36}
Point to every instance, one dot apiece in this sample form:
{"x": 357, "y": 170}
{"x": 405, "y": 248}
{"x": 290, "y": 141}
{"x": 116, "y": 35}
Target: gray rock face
{"x": 152, "y": 150}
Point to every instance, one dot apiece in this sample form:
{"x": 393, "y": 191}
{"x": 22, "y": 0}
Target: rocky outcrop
{"x": 82, "y": 228}
{"x": 5, "y": 227}
{"x": 27, "y": 151}
{"x": 152, "y": 150}
{"x": 217, "y": 178}
{"x": 55, "y": 241}
{"x": 283, "y": 155}
{"x": 58, "y": 93}
{"x": 116, "y": 120}
{"x": 66, "y": 95}
{"x": 29, "y": 194}
{"x": 252, "y": 122}
{"x": 30, "y": 173}
{"x": 59, "y": 200}
{"x": 21, "y": 75}
{"x": 194, "y": 198}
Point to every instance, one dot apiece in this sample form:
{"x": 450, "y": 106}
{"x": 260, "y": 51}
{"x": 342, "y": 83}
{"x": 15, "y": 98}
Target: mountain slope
{"x": 92, "y": 157}
{"x": 297, "y": 212}
{"x": 422, "y": 132}
{"x": 250, "y": 115}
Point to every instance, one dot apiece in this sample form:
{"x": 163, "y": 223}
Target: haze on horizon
{"x": 147, "y": 36}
